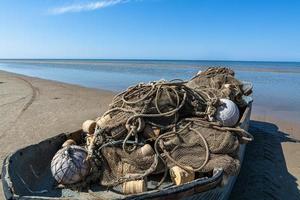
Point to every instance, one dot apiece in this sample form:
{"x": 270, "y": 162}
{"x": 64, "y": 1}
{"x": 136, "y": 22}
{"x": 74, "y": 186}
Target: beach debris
{"x": 89, "y": 126}
{"x": 227, "y": 113}
{"x": 69, "y": 165}
{"x": 164, "y": 129}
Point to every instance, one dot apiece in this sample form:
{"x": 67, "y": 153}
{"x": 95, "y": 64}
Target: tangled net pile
{"x": 149, "y": 128}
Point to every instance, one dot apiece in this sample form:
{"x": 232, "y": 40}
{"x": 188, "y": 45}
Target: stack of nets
{"x": 152, "y": 127}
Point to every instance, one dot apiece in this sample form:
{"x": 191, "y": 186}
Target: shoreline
{"x": 106, "y": 62}
{"x": 35, "y": 109}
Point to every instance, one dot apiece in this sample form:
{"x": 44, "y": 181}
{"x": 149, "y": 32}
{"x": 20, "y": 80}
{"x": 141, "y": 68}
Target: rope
{"x": 156, "y": 88}
{"x": 188, "y": 168}
{"x": 243, "y": 134}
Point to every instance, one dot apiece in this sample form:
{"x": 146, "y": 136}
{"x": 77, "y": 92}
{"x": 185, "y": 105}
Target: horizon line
{"x": 151, "y": 59}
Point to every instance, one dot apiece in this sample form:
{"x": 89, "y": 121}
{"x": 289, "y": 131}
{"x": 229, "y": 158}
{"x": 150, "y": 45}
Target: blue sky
{"x": 151, "y": 29}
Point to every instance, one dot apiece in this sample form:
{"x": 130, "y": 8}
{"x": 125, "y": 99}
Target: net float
{"x": 69, "y": 165}
{"x": 180, "y": 176}
{"x": 134, "y": 187}
{"x": 101, "y": 121}
{"x": 89, "y": 126}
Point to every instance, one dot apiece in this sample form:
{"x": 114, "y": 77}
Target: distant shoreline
{"x": 203, "y": 64}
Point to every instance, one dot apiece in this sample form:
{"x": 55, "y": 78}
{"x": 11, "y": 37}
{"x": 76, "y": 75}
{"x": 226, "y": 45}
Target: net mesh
{"x": 119, "y": 165}
{"x": 187, "y": 149}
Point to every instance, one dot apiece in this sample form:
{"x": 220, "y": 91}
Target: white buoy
{"x": 69, "y": 165}
{"x": 227, "y": 113}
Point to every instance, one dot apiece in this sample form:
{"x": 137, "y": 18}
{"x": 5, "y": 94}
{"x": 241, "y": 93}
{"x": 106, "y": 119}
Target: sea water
{"x": 276, "y": 84}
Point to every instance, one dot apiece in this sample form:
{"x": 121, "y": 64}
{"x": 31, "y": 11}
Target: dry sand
{"x": 33, "y": 109}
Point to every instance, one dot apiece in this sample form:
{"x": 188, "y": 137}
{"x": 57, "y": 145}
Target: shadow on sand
{"x": 264, "y": 173}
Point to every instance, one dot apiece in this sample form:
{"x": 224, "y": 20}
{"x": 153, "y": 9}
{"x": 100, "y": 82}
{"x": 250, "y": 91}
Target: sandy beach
{"x": 34, "y": 109}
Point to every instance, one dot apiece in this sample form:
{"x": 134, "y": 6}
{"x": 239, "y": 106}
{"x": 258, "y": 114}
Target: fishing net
{"x": 152, "y": 127}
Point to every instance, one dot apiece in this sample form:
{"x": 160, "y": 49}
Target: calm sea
{"x": 276, "y": 84}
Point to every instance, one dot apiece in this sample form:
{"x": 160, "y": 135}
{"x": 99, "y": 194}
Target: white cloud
{"x": 86, "y": 6}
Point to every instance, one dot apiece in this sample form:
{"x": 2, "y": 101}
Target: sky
{"x": 261, "y": 30}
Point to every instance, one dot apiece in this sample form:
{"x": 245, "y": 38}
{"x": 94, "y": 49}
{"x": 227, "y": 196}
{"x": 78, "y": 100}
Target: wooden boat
{"x": 26, "y": 174}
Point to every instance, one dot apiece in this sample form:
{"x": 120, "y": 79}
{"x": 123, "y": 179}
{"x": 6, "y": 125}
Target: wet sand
{"x": 33, "y": 109}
